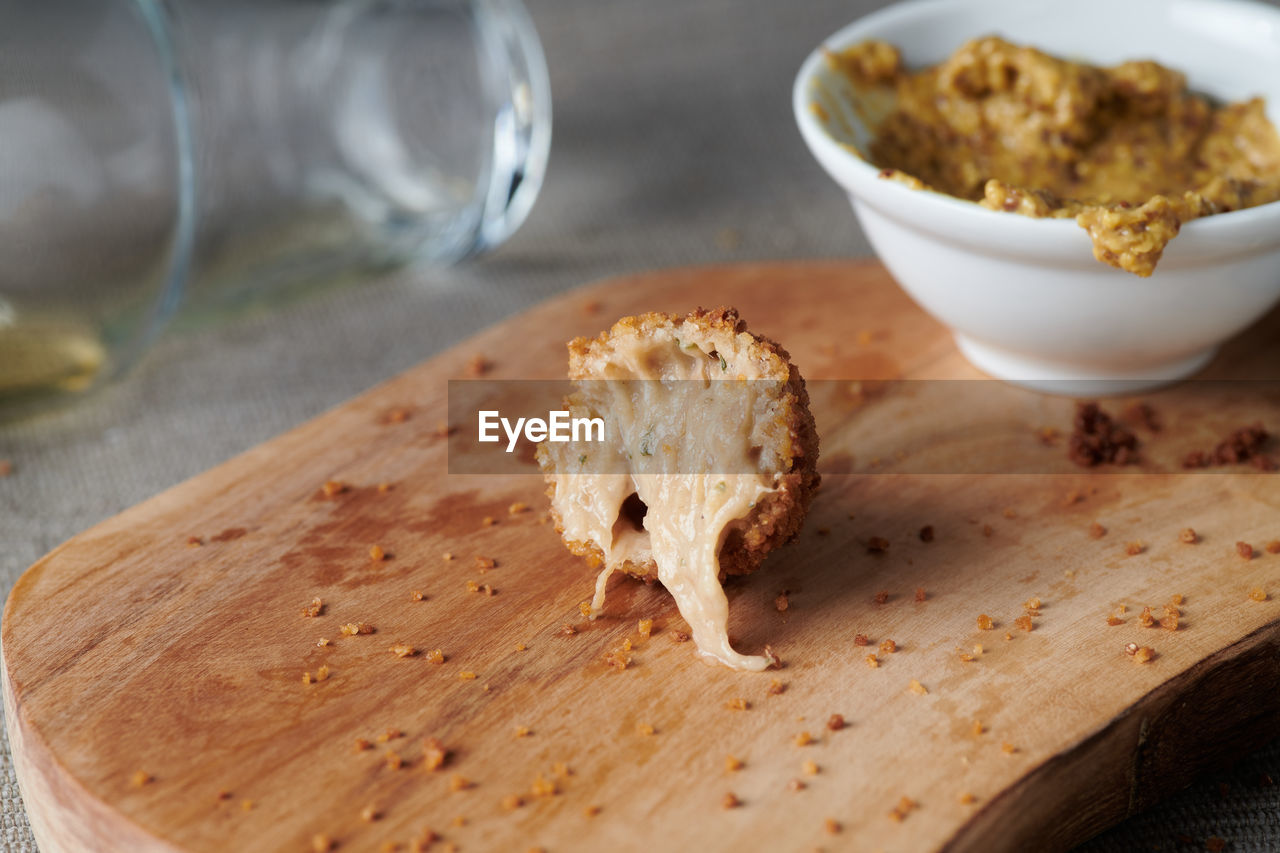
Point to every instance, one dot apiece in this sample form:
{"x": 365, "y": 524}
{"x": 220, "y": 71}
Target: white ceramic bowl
{"x": 1024, "y": 297}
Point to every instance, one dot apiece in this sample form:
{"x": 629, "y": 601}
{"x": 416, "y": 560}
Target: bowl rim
{"x": 861, "y": 178}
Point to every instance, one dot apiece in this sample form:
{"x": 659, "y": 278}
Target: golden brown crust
{"x": 779, "y": 514}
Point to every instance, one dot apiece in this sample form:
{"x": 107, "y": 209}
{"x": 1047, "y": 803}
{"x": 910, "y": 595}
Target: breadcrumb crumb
{"x": 803, "y": 739}
{"x": 905, "y": 806}
{"x": 877, "y": 545}
{"x": 926, "y": 533}
{"x": 781, "y": 603}
{"x": 917, "y": 688}
{"x": 322, "y": 674}
{"x": 679, "y": 637}
{"x": 1244, "y": 550}
{"x": 458, "y": 782}
{"x": 543, "y": 787}
{"x": 1257, "y": 594}
{"x": 888, "y": 647}
{"x": 353, "y": 628}
{"x": 466, "y": 675}
{"x": 645, "y": 729}
{"x": 1132, "y": 549}
{"x": 835, "y": 722}
{"x": 775, "y": 688}
{"x": 831, "y": 826}
{"x": 645, "y": 628}
{"x": 1188, "y": 536}
{"x": 194, "y": 542}
{"x": 434, "y": 754}
{"x": 921, "y": 595}
{"x": 485, "y": 563}
{"x": 321, "y": 843}
{"x": 882, "y": 596}
{"x": 591, "y": 810}
{"x": 1273, "y": 547}
{"x": 730, "y": 801}
{"x": 370, "y": 813}
{"x": 520, "y": 647}
{"x": 511, "y": 802}
{"x": 1144, "y": 654}
{"x": 1032, "y": 604}
{"x": 377, "y": 554}
{"x": 737, "y": 704}
{"x": 393, "y": 760}
{"x": 978, "y": 728}
{"x": 810, "y": 768}
{"x": 732, "y": 764}
{"x": 861, "y": 640}
{"x": 398, "y": 415}
{"x": 314, "y": 609}
{"x": 333, "y": 488}
{"x": 871, "y": 660}
{"x": 417, "y": 595}
{"x": 1097, "y": 531}
{"x": 435, "y": 656}
{"x": 1008, "y": 748}
{"x": 967, "y": 799}
{"x": 1024, "y": 622}
{"x": 985, "y": 623}
{"x": 403, "y": 650}
{"x": 140, "y": 778}
{"x": 796, "y": 785}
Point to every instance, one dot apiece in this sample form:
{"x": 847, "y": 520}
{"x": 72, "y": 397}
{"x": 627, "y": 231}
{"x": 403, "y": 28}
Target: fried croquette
{"x": 708, "y": 461}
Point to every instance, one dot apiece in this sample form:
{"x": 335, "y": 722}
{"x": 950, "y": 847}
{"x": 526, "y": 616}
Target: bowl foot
{"x": 1055, "y": 377}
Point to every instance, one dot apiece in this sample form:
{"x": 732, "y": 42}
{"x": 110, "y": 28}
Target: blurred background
{"x": 673, "y": 144}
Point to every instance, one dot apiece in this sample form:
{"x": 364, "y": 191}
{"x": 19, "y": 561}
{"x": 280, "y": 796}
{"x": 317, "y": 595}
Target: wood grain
{"x": 127, "y": 649}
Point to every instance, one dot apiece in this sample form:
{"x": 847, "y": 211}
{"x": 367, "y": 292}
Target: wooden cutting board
{"x": 130, "y": 651}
